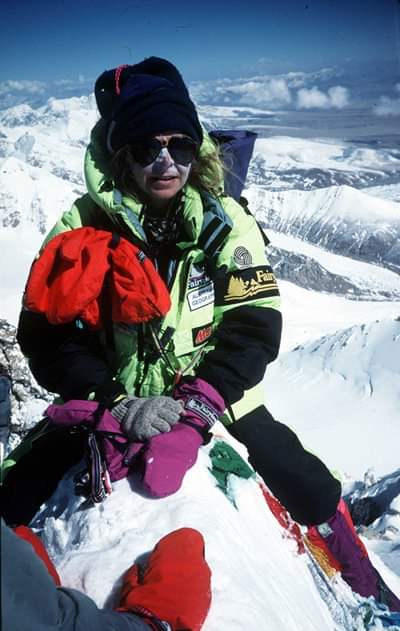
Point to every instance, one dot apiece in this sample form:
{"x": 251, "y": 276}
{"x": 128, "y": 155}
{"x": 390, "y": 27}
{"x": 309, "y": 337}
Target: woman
{"x": 154, "y": 178}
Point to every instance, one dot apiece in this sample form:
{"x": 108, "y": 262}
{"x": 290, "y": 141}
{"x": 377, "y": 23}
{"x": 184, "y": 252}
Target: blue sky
{"x": 68, "y": 43}
{"x": 62, "y": 39}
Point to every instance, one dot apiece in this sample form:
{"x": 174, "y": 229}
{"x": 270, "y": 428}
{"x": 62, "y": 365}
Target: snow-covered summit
{"x": 282, "y": 153}
{"x": 259, "y": 580}
{"x": 312, "y": 267}
{"x": 283, "y": 163}
{"x": 341, "y": 219}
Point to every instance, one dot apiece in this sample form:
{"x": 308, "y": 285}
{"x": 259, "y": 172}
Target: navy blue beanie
{"x": 145, "y": 99}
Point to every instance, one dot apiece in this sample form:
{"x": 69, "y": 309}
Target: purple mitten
{"x": 117, "y": 451}
{"x": 169, "y": 456}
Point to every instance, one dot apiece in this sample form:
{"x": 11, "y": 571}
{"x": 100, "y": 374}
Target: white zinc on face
{"x": 161, "y": 180}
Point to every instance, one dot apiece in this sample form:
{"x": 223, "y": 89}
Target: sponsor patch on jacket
{"x": 242, "y": 257}
{"x": 201, "y": 334}
{"x": 201, "y": 297}
{"x": 198, "y": 277}
{"x": 245, "y": 284}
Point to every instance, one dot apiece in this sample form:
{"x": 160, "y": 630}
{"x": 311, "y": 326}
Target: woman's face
{"x": 161, "y": 180}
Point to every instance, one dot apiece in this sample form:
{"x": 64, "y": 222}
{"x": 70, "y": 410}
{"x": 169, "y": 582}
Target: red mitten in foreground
{"x": 176, "y": 585}
{"x": 28, "y": 535}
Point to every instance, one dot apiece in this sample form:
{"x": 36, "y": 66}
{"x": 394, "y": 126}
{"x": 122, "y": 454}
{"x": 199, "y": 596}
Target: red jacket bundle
{"x": 67, "y": 280}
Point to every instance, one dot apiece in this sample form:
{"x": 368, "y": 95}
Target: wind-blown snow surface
{"x": 344, "y": 396}
{"x": 259, "y": 581}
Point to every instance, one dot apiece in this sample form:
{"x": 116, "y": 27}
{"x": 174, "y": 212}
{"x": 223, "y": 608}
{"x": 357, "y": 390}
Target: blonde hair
{"x": 206, "y": 173}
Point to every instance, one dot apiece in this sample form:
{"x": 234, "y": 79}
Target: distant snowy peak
{"x": 341, "y": 219}
{"x": 55, "y": 109}
{"x": 367, "y": 354}
{"x": 311, "y": 267}
{"x": 282, "y": 152}
{"x": 31, "y": 197}
{"x": 20, "y": 115}
{"x": 364, "y": 357}
{"x": 282, "y": 163}
{"x": 344, "y": 395}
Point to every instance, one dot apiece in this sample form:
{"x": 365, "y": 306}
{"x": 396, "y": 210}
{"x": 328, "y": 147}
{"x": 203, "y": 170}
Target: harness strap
{"x": 99, "y": 478}
{"x": 216, "y": 226}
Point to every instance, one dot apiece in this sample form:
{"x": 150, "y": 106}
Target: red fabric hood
{"x": 67, "y": 280}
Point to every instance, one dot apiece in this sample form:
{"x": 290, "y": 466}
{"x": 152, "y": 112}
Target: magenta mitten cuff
{"x": 201, "y": 401}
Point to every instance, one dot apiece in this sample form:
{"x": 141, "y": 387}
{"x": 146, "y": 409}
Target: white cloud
{"x": 70, "y": 83}
{"x": 273, "y": 91}
{"x": 339, "y": 96}
{"x": 30, "y": 87}
{"x": 269, "y": 92}
{"x": 311, "y": 97}
{"x": 388, "y": 106}
{"x": 336, "y": 97}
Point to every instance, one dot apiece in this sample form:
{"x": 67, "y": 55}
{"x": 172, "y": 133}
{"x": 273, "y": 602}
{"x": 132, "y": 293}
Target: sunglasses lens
{"x": 182, "y": 150}
{"x": 147, "y": 152}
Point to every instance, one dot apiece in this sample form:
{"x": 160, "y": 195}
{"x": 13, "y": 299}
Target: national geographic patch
{"x": 201, "y": 334}
{"x": 245, "y": 284}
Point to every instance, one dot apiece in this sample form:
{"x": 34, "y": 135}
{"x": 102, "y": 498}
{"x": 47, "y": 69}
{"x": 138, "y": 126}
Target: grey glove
{"x": 143, "y": 418}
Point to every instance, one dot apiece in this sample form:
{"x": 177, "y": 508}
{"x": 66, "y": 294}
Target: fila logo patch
{"x": 241, "y": 285}
{"x": 201, "y": 334}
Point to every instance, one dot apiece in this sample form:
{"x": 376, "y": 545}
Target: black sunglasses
{"x": 182, "y": 150}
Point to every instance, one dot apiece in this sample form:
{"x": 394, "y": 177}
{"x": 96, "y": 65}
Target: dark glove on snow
{"x": 143, "y": 418}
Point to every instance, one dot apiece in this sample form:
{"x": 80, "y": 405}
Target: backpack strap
{"x": 236, "y": 151}
{"x": 216, "y": 226}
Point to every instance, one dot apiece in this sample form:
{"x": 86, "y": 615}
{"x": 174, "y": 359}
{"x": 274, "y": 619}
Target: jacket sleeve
{"x": 65, "y": 359}
{"x": 31, "y": 599}
{"x": 247, "y": 311}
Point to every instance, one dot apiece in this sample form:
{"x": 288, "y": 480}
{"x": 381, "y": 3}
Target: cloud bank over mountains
{"x": 36, "y": 93}
{"x": 293, "y": 90}
{"x": 330, "y": 88}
